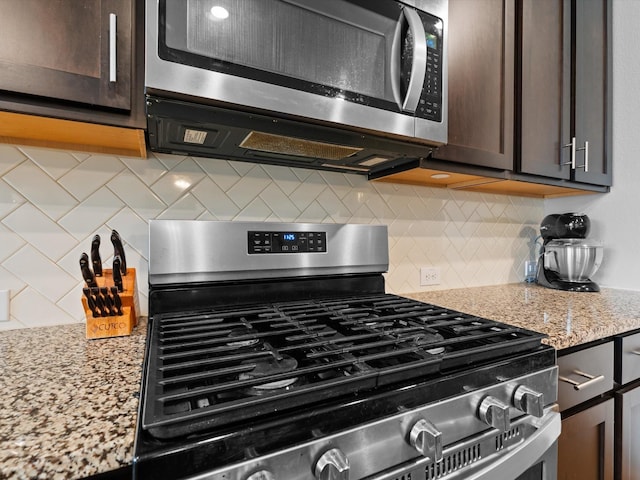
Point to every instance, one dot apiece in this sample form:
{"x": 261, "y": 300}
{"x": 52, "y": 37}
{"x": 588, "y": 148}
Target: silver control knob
{"x": 529, "y": 401}
{"x": 332, "y": 465}
{"x": 495, "y": 413}
{"x": 261, "y": 475}
{"x": 426, "y": 439}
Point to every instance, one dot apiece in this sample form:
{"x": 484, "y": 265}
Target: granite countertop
{"x": 68, "y": 406}
{"x": 568, "y": 318}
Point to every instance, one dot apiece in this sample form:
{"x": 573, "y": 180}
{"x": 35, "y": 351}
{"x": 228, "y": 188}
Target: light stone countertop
{"x": 568, "y": 318}
{"x": 68, "y": 405}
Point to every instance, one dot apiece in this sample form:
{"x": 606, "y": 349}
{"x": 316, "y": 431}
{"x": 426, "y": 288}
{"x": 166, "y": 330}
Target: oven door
{"x": 373, "y": 65}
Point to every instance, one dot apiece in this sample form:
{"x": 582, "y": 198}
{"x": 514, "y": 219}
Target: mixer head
{"x": 565, "y": 225}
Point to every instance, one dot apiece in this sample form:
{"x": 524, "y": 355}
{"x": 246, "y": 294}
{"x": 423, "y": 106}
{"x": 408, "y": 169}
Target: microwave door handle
{"x": 394, "y": 67}
{"x": 419, "y": 63}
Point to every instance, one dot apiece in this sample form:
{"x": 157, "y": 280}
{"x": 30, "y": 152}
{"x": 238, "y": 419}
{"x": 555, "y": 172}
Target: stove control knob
{"x": 426, "y": 439}
{"x": 528, "y": 401}
{"x": 261, "y": 475}
{"x": 495, "y": 413}
{"x": 332, "y": 465}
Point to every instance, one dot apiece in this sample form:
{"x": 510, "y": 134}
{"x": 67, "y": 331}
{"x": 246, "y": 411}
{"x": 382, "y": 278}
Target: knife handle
{"x": 96, "y": 261}
{"x": 100, "y": 302}
{"x": 117, "y": 275}
{"x": 118, "y": 250}
{"x": 92, "y": 304}
{"x": 117, "y": 301}
{"x": 87, "y": 274}
{"x": 108, "y": 300}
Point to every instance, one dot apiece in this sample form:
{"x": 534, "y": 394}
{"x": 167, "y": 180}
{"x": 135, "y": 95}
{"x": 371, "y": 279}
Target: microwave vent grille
{"x": 266, "y": 142}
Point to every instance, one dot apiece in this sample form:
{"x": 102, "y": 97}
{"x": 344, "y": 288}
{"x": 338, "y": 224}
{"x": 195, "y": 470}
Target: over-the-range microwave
{"x": 349, "y": 85}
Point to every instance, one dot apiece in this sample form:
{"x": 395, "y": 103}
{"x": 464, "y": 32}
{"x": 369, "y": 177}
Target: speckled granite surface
{"x": 68, "y": 405}
{"x": 569, "y": 318}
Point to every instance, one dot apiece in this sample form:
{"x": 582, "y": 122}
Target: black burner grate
{"x": 228, "y": 364}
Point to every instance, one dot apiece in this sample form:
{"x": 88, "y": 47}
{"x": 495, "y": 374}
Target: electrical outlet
{"x": 429, "y": 276}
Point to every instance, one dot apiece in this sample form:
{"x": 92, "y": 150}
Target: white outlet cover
{"x": 429, "y": 276}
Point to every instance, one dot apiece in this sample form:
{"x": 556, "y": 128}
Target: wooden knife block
{"x": 118, "y": 325}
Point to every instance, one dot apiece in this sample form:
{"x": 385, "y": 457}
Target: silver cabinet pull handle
{"x": 112, "y": 47}
{"x": 580, "y": 385}
{"x": 635, "y": 352}
{"x": 586, "y": 157}
{"x": 572, "y": 160}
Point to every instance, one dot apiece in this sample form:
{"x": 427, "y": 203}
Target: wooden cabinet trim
{"x": 38, "y": 131}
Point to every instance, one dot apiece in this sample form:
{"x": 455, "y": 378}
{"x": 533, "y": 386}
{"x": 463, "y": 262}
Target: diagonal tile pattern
{"x": 52, "y": 202}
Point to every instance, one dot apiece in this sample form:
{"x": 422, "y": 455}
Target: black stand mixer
{"x": 567, "y": 260}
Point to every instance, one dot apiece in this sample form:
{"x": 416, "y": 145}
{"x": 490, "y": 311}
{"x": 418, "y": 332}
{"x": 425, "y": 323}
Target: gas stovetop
{"x": 223, "y": 365}
{"x": 271, "y": 345}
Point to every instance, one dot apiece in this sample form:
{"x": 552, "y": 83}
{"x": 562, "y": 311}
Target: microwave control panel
{"x": 430, "y": 104}
{"x": 260, "y": 242}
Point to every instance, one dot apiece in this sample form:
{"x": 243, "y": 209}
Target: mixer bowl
{"x": 573, "y": 259}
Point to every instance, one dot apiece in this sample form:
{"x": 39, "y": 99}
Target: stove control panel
{"x": 260, "y": 242}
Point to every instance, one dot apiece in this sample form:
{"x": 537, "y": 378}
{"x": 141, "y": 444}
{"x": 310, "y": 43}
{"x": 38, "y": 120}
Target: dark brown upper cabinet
{"x": 71, "y": 75}
{"x": 564, "y": 83}
{"x": 526, "y": 77}
{"x": 481, "y": 79}
{"x": 544, "y": 88}
{"x": 68, "y": 50}
{"x": 592, "y": 109}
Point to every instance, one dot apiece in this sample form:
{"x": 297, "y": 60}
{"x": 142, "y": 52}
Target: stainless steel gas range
{"x": 274, "y": 353}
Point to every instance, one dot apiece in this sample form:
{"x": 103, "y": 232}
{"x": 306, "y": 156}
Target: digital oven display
{"x": 260, "y": 242}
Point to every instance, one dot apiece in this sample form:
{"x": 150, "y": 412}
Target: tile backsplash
{"x": 52, "y": 203}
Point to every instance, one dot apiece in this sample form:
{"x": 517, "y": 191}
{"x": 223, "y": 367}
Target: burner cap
{"x": 276, "y": 385}
{"x": 241, "y": 342}
{"x": 427, "y": 339}
{"x": 270, "y": 366}
{"x": 435, "y": 351}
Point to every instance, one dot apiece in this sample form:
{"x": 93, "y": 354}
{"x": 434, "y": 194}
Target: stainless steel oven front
{"x": 444, "y": 441}
{"x": 275, "y": 353}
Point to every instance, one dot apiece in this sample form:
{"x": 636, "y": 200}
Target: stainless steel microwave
{"x": 353, "y": 85}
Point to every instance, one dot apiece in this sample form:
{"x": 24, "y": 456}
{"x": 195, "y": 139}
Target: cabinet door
{"x": 62, "y": 49}
{"x": 545, "y": 88}
{"x": 481, "y": 83}
{"x": 585, "y": 446}
{"x": 628, "y": 434}
{"x": 593, "y": 89}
